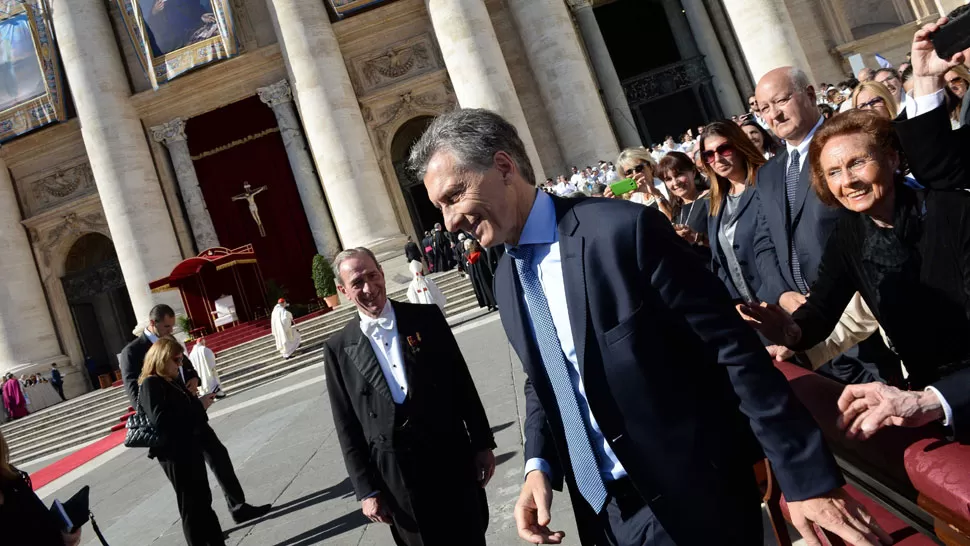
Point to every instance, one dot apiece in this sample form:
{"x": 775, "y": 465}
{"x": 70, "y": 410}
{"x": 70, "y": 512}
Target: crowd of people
{"x": 30, "y": 393}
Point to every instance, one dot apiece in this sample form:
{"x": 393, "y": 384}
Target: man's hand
{"x": 532, "y": 511}
{"x": 780, "y": 353}
{"x": 374, "y": 509}
{"x": 484, "y": 466}
{"x": 928, "y": 67}
{"x": 870, "y": 407}
{"x": 71, "y": 539}
{"x": 773, "y": 322}
{"x": 840, "y": 514}
{"x": 791, "y": 301}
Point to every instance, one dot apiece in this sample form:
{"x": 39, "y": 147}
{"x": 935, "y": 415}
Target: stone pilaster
{"x": 703, "y": 30}
{"x": 279, "y": 97}
{"x": 680, "y": 29}
{"x": 565, "y": 82}
{"x": 27, "y": 333}
{"x": 335, "y": 129}
{"x": 131, "y": 197}
{"x": 477, "y": 67}
{"x": 599, "y": 56}
{"x": 767, "y": 36}
{"x": 172, "y": 135}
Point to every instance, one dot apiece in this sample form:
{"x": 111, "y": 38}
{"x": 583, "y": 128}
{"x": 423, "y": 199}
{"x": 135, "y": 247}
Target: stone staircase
{"x": 90, "y": 417}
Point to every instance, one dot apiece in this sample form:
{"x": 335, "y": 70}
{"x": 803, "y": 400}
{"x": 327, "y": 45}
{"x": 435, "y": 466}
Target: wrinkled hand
{"x": 484, "y": 466}
{"x": 926, "y": 63}
{"x": 532, "y": 511}
{"x": 374, "y": 509}
{"x": 840, "y": 514}
{"x": 780, "y": 353}
{"x": 867, "y": 408}
{"x": 791, "y": 301}
{"x": 773, "y": 322}
{"x": 71, "y": 539}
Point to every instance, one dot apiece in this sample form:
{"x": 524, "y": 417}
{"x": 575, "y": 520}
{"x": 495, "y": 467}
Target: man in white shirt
{"x": 564, "y": 188}
{"x": 414, "y": 435}
{"x": 577, "y": 178}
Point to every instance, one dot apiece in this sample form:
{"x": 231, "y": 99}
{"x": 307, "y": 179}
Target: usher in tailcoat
{"x": 676, "y": 379}
{"x": 423, "y": 469}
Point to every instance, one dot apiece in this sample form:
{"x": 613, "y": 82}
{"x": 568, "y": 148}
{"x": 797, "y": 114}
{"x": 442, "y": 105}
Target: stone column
{"x": 338, "y": 138}
{"x": 727, "y": 92}
{"x": 767, "y": 36}
{"x": 599, "y": 56}
{"x": 172, "y": 135}
{"x": 477, "y": 67}
{"x": 27, "y": 333}
{"x": 680, "y": 29}
{"x": 565, "y": 81}
{"x": 131, "y": 197}
{"x": 279, "y": 97}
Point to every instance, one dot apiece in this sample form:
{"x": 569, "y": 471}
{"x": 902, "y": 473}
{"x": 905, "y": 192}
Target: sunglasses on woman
{"x": 638, "y": 169}
{"x": 724, "y": 150}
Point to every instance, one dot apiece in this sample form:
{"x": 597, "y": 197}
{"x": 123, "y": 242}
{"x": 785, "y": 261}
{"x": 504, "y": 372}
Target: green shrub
{"x": 184, "y": 322}
{"x": 274, "y": 292}
{"x": 323, "y": 279}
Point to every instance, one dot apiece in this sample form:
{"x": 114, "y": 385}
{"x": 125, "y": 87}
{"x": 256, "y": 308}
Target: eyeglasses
{"x": 724, "y": 150}
{"x": 638, "y": 169}
{"x": 871, "y": 104}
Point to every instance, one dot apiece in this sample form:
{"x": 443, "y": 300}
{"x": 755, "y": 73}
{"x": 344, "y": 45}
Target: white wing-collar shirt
{"x": 384, "y": 339}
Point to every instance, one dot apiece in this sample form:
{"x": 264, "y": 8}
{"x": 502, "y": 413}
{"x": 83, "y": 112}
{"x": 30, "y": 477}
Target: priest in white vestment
{"x": 204, "y": 361}
{"x": 424, "y": 290}
{"x": 287, "y": 338}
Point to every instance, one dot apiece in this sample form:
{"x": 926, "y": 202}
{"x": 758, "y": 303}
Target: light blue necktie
{"x": 585, "y": 467}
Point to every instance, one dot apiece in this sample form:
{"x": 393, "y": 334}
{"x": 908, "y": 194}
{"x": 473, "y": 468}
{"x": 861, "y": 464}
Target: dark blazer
{"x": 412, "y": 252}
{"x": 812, "y": 224}
{"x": 24, "y": 519}
{"x": 445, "y": 412}
{"x": 177, "y": 415}
{"x": 131, "y": 359}
{"x": 748, "y": 210}
{"x": 666, "y": 362}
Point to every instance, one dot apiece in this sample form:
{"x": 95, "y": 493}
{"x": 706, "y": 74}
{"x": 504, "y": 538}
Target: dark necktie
{"x": 581, "y": 456}
{"x": 791, "y": 189}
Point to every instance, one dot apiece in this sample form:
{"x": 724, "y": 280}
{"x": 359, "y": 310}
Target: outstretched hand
{"x": 532, "y": 511}
{"x": 867, "y": 408}
{"x": 773, "y": 322}
{"x": 840, "y": 514}
{"x": 926, "y": 63}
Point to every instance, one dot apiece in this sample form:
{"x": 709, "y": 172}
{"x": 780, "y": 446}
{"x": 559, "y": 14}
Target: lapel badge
{"x": 414, "y": 342}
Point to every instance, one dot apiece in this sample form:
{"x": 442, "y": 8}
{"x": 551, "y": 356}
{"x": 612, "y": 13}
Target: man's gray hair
{"x": 473, "y": 135}
{"x": 799, "y": 80}
{"x": 348, "y": 254}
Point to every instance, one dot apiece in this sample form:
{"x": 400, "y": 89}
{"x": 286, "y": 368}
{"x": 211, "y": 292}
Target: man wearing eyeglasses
{"x": 890, "y": 78}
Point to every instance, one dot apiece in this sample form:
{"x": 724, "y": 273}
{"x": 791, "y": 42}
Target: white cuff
{"x": 947, "y": 410}
{"x": 921, "y": 105}
{"x": 536, "y": 463}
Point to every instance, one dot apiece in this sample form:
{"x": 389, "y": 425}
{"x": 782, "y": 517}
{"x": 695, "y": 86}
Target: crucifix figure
{"x": 249, "y": 194}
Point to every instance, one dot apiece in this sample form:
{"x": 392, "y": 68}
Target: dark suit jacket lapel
{"x": 571, "y": 249}
{"x": 360, "y": 352}
{"x": 511, "y": 307}
{"x": 804, "y": 186}
{"x": 407, "y": 328}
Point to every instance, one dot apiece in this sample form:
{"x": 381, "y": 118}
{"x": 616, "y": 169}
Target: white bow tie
{"x": 371, "y": 326}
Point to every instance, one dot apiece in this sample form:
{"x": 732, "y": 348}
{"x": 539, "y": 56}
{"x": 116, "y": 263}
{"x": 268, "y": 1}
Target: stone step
{"x": 66, "y": 426}
{"x": 58, "y": 414}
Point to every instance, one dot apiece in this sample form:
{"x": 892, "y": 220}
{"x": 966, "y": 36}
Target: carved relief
{"x": 71, "y": 226}
{"x": 404, "y": 59}
{"x": 385, "y": 120}
{"x": 62, "y": 185}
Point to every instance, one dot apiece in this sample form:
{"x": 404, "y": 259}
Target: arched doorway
{"x": 423, "y": 214}
{"x": 99, "y": 301}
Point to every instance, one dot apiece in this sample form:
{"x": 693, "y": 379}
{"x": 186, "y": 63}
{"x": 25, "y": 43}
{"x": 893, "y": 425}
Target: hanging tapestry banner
{"x": 31, "y": 93}
{"x": 173, "y": 37}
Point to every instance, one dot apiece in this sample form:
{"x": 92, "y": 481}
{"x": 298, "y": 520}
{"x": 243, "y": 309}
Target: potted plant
{"x": 323, "y": 281}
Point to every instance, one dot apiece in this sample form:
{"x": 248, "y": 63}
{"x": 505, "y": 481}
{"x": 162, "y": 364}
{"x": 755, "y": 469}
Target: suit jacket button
{"x": 381, "y": 438}
{"x": 372, "y": 415}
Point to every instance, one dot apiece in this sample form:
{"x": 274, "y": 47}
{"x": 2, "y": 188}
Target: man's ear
{"x": 505, "y": 165}
{"x": 340, "y": 288}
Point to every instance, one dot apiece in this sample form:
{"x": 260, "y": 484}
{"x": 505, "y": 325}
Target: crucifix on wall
{"x": 249, "y": 194}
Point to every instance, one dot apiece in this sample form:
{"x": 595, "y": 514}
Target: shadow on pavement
{"x": 342, "y": 489}
{"x": 330, "y": 529}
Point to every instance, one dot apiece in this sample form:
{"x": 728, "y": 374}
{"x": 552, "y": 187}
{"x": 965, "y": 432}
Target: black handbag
{"x": 140, "y": 432}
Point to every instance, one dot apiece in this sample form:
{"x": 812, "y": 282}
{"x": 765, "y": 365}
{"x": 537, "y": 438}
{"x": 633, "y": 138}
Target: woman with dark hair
{"x": 689, "y": 206}
{"x": 732, "y": 162}
{"x": 907, "y": 252}
{"x": 24, "y": 520}
{"x": 761, "y": 139}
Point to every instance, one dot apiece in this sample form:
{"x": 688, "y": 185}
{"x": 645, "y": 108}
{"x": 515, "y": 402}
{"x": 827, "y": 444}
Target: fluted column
{"x": 335, "y": 129}
{"x": 279, "y": 97}
{"x": 767, "y": 36}
{"x": 700, "y": 24}
{"x": 27, "y": 333}
{"x": 172, "y": 135}
{"x": 477, "y": 67}
{"x": 565, "y": 82}
{"x": 599, "y": 56}
{"x": 128, "y": 186}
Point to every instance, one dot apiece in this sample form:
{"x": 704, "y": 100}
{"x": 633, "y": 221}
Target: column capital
{"x": 170, "y": 131}
{"x": 276, "y": 94}
{"x": 576, "y": 5}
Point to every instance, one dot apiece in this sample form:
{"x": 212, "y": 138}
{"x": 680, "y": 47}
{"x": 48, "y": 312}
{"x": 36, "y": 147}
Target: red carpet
{"x": 49, "y": 473}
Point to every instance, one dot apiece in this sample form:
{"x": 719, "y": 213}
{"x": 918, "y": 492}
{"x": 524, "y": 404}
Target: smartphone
{"x": 623, "y": 186}
{"x": 953, "y": 37}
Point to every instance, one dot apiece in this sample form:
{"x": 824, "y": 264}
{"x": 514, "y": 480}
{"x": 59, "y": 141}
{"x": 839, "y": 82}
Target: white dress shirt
{"x": 384, "y": 339}
{"x": 802, "y": 147}
{"x": 540, "y": 231}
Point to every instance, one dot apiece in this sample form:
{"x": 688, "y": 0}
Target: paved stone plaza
{"x": 282, "y": 441}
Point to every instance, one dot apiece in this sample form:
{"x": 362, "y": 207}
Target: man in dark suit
{"x": 794, "y": 225}
{"x": 414, "y": 434}
{"x": 412, "y": 252}
{"x": 161, "y": 323}
{"x": 637, "y": 362}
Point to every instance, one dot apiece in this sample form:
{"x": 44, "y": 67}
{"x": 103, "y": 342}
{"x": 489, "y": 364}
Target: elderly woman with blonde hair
{"x": 638, "y": 164}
